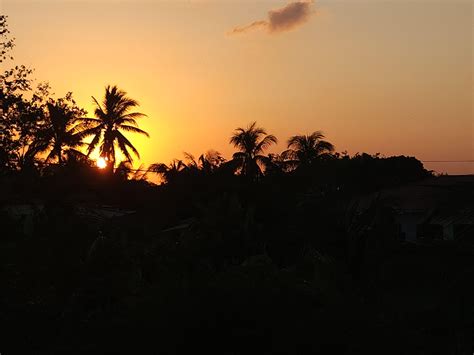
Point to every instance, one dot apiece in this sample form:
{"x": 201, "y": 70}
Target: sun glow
{"x": 101, "y": 163}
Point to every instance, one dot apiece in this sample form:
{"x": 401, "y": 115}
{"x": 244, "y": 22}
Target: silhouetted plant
{"x": 112, "y": 117}
{"x": 6, "y": 43}
{"x": 206, "y": 163}
{"x": 62, "y": 134}
{"x": 204, "y": 166}
{"x": 19, "y": 117}
{"x": 303, "y": 150}
{"x": 21, "y": 120}
{"x": 251, "y": 142}
{"x": 125, "y": 171}
{"x": 168, "y": 172}
{"x": 275, "y": 164}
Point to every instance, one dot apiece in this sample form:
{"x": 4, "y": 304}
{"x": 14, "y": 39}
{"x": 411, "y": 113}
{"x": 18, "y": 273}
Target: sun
{"x": 101, "y": 163}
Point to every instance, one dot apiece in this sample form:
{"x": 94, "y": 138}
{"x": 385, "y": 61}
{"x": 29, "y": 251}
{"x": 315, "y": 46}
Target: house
{"x": 437, "y": 208}
{"x": 448, "y": 225}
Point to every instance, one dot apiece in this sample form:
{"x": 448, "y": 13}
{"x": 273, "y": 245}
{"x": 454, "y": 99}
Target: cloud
{"x": 283, "y": 19}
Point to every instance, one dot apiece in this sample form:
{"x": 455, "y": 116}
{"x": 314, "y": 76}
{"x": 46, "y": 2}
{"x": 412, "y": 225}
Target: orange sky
{"x": 393, "y": 77}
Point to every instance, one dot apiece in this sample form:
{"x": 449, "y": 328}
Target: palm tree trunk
{"x": 111, "y": 164}
{"x": 60, "y": 157}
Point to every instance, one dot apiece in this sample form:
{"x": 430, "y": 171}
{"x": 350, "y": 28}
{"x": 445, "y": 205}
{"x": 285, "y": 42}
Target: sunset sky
{"x": 393, "y": 77}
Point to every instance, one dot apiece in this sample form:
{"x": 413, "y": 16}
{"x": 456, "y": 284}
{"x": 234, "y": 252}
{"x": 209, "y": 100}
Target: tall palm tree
{"x": 251, "y": 142}
{"x": 112, "y": 117}
{"x": 61, "y": 133}
{"x": 304, "y": 150}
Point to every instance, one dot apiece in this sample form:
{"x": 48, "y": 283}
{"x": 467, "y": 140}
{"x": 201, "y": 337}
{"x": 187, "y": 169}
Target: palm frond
{"x": 295, "y": 142}
{"x": 158, "y": 168}
{"x": 126, "y": 142}
{"x": 98, "y": 108}
{"x": 94, "y": 142}
{"x": 239, "y": 156}
{"x": 191, "y": 161}
{"x": 265, "y": 143}
{"x": 324, "y": 146}
{"x": 123, "y": 148}
{"x": 134, "y": 130}
{"x": 289, "y": 154}
{"x": 133, "y": 116}
{"x": 316, "y": 135}
{"x": 263, "y": 160}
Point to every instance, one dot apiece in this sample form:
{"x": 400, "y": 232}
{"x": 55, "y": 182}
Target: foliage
{"x": 6, "y": 44}
{"x": 259, "y": 254}
{"x": 63, "y": 128}
{"x": 112, "y": 117}
{"x": 251, "y": 143}
{"x": 304, "y": 150}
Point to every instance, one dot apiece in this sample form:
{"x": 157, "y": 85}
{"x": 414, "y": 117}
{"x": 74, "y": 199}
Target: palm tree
{"x": 112, "y": 117}
{"x": 251, "y": 142}
{"x": 211, "y": 161}
{"x": 62, "y": 133}
{"x": 169, "y": 172}
{"x": 304, "y": 150}
{"x": 206, "y": 163}
{"x": 125, "y": 171}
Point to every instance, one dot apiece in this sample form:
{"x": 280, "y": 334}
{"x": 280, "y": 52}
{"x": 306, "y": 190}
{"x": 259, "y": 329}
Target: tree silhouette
{"x": 22, "y": 120}
{"x": 112, "y": 117}
{"x": 6, "y": 43}
{"x": 20, "y": 116}
{"x": 62, "y": 131}
{"x": 304, "y": 150}
{"x": 125, "y": 171}
{"x": 275, "y": 164}
{"x": 189, "y": 169}
{"x": 206, "y": 163}
{"x": 168, "y": 172}
{"x": 251, "y": 142}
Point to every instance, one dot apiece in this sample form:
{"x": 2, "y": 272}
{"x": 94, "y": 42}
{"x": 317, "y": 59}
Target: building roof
{"x": 450, "y": 191}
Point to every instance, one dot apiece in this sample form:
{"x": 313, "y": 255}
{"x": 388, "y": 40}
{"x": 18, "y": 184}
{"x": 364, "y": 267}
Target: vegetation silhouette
{"x": 303, "y": 150}
{"x": 299, "y": 252}
{"x": 112, "y": 117}
{"x": 251, "y": 143}
{"x": 61, "y": 134}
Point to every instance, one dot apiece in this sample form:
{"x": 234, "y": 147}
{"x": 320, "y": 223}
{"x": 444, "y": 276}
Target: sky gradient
{"x": 393, "y": 77}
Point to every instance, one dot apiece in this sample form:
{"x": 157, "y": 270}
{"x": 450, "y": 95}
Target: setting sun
{"x": 101, "y": 163}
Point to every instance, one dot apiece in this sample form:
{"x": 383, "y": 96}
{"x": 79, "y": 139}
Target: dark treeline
{"x": 290, "y": 253}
